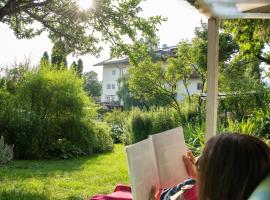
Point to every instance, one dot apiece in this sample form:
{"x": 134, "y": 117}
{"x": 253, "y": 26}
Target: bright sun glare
{"x": 84, "y": 4}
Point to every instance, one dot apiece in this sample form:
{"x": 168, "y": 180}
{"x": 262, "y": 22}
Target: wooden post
{"x": 212, "y": 78}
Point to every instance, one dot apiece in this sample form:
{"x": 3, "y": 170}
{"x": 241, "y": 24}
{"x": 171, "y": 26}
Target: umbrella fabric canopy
{"x": 234, "y": 9}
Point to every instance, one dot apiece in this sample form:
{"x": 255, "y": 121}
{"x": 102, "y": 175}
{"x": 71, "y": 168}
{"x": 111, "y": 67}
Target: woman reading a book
{"x": 230, "y": 168}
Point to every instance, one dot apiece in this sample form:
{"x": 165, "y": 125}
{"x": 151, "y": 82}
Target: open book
{"x": 156, "y": 161}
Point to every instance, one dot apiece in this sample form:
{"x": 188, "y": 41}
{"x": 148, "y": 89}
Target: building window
{"x": 112, "y": 98}
{"x": 113, "y": 72}
{"x": 108, "y": 98}
{"x": 199, "y": 86}
{"x": 108, "y": 86}
{"x": 113, "y": 86}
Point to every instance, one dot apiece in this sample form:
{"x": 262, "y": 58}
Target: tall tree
{"x": 228, "y": 48}
{"x": 80, "y": 67}
{"x": 125, "y": 95}
{"x": 45, "y": 60}
{"x": 91, "y": 84}
{"x": 106, "y": 21}
{"x": 180, "y": 66}
{"x": 58, "y": 57}
{"x": 73, "y": 66}
{"x": 151, "y": 81}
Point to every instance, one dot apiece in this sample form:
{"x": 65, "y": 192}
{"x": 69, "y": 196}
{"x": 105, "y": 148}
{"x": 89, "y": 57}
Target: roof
{"x": 161, "y": 52}
{"x": 113, "y": 61}
{"x": 233, "y": 9}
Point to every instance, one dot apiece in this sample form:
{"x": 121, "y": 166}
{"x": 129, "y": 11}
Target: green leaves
{"x": 114, "y": 22}
{"x": 251, "y": 35}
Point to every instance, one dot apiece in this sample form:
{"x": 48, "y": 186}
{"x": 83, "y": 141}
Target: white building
{"x": 115, "y": 68}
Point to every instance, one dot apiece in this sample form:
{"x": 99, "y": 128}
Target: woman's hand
{"x": 152, "y": 193}
{"x": 190, "y": 160}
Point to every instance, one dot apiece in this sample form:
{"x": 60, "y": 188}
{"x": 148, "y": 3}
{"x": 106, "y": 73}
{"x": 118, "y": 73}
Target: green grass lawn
{"x": 64, "y": 179}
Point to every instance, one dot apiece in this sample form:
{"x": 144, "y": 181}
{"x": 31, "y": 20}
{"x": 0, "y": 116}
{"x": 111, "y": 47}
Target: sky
{"x": 181, "y": 22}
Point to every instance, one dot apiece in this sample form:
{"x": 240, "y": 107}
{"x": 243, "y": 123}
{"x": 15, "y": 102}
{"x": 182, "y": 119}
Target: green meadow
{"x": 63, "y": 179}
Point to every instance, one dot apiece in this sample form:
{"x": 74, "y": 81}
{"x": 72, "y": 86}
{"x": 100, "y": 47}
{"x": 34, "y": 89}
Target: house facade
{"x": 115, "y": 68}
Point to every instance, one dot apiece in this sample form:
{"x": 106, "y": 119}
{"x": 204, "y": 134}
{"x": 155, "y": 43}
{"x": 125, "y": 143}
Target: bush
{"x": 194, "y": 137}
{"x": 63, "y": 149}
{"x": 6, "y": 152}
{"x": 49, "y": 116}
{"x": 162, "y": 120}
{"x": 140, "y": 125}
{"x": 117, "y": 120}
{"x": 261, "y": 119}
{"x": 244, "y": 126}
{"x": 103, "y": 141}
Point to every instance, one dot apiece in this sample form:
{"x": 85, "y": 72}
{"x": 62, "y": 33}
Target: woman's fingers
{"x": 191, "y": 157}
{"x": 187, "y": 164}
{"x": 152, "y": 193}
{"x": 189, "y": 161}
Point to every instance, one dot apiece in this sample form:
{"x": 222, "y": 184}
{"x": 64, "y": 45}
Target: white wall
{"x": 192, "y": 88}
{"x": 120, "y": 69}
{"x": 110, "y": 78}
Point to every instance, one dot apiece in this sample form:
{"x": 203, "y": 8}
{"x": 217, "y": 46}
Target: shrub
{"x": 49, "y": 116}
{"x": 140, "y": 125}
{"x": 194, "y": 137}
{"x": 103, "y": 141}
{"x": 63, "y": 149}
{"x": 162, "y": 120}
{"x": 6, "y": 152}
{"x": 117, "y": 120}
{"x": 261, "y": 119}
{"x": 244, "y": 126}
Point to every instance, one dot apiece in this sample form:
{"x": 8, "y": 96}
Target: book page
{"x": 143, "y": 171}
{"x": 169, "y": 149}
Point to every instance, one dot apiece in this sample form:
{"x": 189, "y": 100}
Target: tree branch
{"x": 263, "y": 59}
{"x": 13, "y": 7}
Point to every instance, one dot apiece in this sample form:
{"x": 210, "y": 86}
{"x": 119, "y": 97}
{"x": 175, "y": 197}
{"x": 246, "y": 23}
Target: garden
{"x": 57, "y": 140}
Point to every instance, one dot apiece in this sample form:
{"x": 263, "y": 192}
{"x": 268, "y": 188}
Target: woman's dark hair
{"x": 231, "y": 166}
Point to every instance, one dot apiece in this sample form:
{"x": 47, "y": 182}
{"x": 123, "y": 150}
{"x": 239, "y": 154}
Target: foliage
{"x": 117, "y": 120}
{"x": 258, "y": 124}
{"x": 140, "y": 125}
{"x": 49, "y": 115}
{"x": 194, "y": 137}
{"x": 240, "y": 104}
{"x": 103, "y": 141}
{"x": 63, "y": 149}
{"x": 261, "y": 119}
{"x": 162, "y": 120}
{"x": 152, "y": 80}
{"x": 12, "y": 76}
{"x": 91, "y": 84}
{"x": 125, "y": 95}
{"x": 198, "y": 59}
{"x": 252, "y": 37}
{"x": 6, "y": 152}
{"x": 106, "y": 21}
{"x": 179, "y": 67}
{"x": 79, "y": 68}
{"x": 244, "y": 126}
{"x": 73, "y": 66}
{"x": 64, "y": 179}
{"x": 45, "y": 60}
{"x": 148, "y": 81}
{"x": 58, "y": 57}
